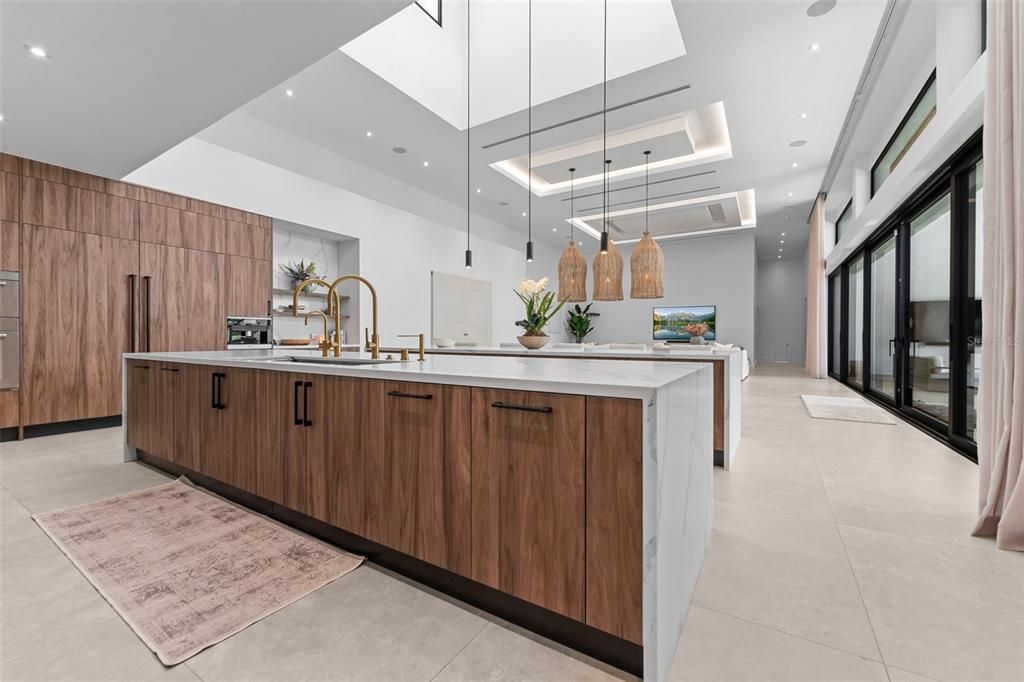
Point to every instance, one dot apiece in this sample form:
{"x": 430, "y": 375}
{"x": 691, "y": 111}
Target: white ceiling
{"x": 126, "y": 81}
{"x": 751, "y": 56}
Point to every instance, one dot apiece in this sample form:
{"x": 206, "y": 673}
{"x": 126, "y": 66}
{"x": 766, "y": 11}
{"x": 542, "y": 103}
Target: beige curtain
{"x": 816, "y": 357}
{"x": 1001, "y": 391}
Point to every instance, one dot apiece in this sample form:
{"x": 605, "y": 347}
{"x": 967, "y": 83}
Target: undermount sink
{"x": 330, "y": 361}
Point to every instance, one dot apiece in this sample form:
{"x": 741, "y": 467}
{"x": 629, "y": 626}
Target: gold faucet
{"x": 325, "y": 344}
{"x": 372, "y": 342}
{"x": 405, "y": 351}
{"x": 333, "y": 307}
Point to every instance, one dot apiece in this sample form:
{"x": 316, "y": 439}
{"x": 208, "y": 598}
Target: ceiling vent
{"x": 717, "y": 213}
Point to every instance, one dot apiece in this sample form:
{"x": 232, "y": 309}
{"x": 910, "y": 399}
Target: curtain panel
{"x": 816, "y": 358}
{"x": 1001, "y": 391}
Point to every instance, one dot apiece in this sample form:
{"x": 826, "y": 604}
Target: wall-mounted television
{"x": 670, "y": 323}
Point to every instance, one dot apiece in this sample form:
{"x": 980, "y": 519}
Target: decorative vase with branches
{"x": 579, "y": 321}
{"x": 299, "y": 272}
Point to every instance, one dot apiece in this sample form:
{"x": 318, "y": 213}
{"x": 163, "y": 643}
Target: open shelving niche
{"x": 334, "y": 254}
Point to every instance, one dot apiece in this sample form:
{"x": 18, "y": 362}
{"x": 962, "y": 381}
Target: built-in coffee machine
{"x": 249, "y": 332}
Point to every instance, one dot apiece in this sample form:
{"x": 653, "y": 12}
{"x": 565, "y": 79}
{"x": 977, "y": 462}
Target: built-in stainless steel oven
{"x": 249, "y": 332}
{"x": 10, "y": 329}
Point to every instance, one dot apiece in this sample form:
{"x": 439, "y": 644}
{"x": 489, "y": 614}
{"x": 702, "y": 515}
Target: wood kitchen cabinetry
{"x": 76, "y": 316}
{"x": 417, "y": 471}
{"x": 528, "y": 498}
{"x": 108, "y": 267}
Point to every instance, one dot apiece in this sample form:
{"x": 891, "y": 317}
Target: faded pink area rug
{"x": 187, "y": 569}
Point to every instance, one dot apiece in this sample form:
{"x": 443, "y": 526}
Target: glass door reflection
{"x": 855, "y": 322}
{"x": 928, "y": 312}
{"x": 883, "y": 318}
{"x": 975, "y": 219}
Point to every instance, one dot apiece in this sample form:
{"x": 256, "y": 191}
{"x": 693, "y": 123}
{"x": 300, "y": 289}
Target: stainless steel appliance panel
{"x": 9, "y": 287}
{"x": 10, "y": 356}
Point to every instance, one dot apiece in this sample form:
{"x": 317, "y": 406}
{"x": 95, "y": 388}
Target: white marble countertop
{"x": 628, "y": 379}
{"x": 683, "y": 352}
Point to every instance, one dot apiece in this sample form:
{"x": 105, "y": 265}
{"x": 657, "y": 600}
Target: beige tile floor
{"x": 841, "y": 551}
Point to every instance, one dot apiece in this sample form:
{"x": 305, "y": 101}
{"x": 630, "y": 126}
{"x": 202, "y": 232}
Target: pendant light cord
{"x": 647, "y": 159}
{"x": 572, "y": 203}
{"x": 604, "y": 137}
{"x": 529, "y": 122}
{"x": 469, "y": 124}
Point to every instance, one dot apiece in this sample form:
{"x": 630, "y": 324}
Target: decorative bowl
{"x": 533, "y": 342}
{"x": 444, "y": 343}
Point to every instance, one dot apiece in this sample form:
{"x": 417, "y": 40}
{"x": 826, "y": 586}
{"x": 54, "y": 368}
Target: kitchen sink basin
{"x": 330, "y": 361}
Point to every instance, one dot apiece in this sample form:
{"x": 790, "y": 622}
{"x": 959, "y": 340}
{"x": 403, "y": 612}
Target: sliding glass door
{"x": 883, "y": 360}
{"x": 905, "y": 321}
{"x": 928, "y": 333}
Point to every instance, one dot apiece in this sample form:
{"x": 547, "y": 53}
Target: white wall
{"x": 781, "y": 310}
{"x": 707, "y": 271}
{"x": 397, "y": 250}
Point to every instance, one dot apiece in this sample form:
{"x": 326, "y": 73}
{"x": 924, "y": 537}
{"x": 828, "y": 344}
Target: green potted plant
{"x": 579, "y": 322}
{"x": 540, "y": 308}
{"x": 299, "y": 272}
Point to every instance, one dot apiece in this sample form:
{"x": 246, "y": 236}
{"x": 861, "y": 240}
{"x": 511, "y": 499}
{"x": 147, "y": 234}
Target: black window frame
{"x": 899, "y": 128}
{"x": 440, "y": 11}
{"x": 847, "y": 210}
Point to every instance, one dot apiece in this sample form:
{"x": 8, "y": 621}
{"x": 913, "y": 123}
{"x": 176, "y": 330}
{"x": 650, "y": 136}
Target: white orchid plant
{"x": 540, "y": 306}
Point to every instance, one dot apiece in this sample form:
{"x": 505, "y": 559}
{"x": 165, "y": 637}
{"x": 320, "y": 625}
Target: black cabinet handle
{"x": 141, "y": 366}
{"x": 146, "y": 316}
{"x": 417, "y": 396}
{"x": 131, "y": 312}
{"x": 524, "y": 408}
{"x": 295, "y": 403}
{"x": 305, "y": 403}
{"x": 220, "y": 390}
{"x": 213, "y": 390}
{"x": 169, "y": 369}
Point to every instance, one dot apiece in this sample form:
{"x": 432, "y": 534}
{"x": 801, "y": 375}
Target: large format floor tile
{"x": 947, "y": 612}
{"x": 784, "y": 572}
{"x": 365, "y": 626}
{"x": 502, "y": 652}
{"x": 108, "y": 652}
{"x": 720, "y": 647}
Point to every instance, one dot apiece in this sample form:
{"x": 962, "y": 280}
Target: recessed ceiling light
{"x": 790, "y": 194}
{"x": 780, "y": 256}
{"x": 783, "y": 234}
{"x": 780, "y": 250}
{"x": 794, "y": 164}
{"x": 803, "y": 115}
{"x": 37, "y": 51}
{"x": 580, "y": 243}
{"x": 524, "y": 214}
{"x": 398, "y": 150}
{"x": 814, "y": 47}
{"x": 782, "y": 241}
{"x": 1, "y": 118}
{"x": 798, "y": 143}
{"x": 554, "y": 229}
{"x": 820, "y": 7}
{"x": 289, "y": 92}
{"x": 426, "y": 163}
{"x": 478, "y": 190}
{"x": 369, "y": 133}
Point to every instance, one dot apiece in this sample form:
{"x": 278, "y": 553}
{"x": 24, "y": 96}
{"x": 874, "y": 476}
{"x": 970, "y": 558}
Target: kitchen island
{"x": 572, "y": 497}
{"x": 727, "y": 364}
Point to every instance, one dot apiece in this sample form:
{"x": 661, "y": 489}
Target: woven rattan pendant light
{"x": 647, "y": 263}
{"x": 572, "y": 266}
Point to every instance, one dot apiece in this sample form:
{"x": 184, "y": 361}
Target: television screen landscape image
{"x": 670, "y": 323}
